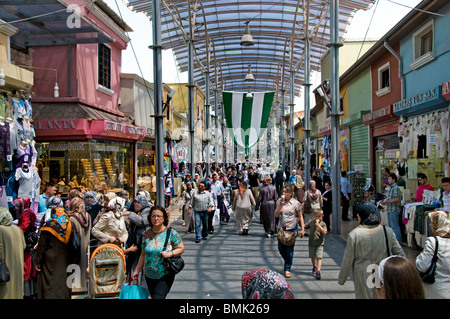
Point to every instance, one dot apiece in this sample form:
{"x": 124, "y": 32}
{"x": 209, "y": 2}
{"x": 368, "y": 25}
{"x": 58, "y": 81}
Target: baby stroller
{"x": 107, "y": 269}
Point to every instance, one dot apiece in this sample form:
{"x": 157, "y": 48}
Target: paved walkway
{"x": 214, "y": 267}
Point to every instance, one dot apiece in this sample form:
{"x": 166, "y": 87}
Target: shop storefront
{"x": 93, "y": 155}
{"x": 424, "y": 135}
{"x": 359, "y": 143}
{"x": 383, "y": 129}
{"x": 324, "y": 147}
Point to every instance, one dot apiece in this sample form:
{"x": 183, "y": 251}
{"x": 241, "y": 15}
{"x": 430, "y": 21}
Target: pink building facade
{"x": 81, "y": 133}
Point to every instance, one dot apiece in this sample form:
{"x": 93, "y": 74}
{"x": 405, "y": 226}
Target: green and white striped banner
{"x": 246, "y": 118}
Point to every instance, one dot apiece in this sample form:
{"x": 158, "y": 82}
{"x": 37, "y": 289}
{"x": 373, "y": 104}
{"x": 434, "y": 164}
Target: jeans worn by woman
{"x": 287, "y": 252}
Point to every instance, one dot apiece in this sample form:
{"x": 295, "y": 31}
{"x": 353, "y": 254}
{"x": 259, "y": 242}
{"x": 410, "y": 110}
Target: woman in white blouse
{"x": 440, "y": 226}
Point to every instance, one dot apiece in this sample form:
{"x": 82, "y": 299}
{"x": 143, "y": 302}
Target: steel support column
{"x": 191, "y": 106}
{"x": 158, "y": 100}
{"x": 306, "y": 118}
{"x": 208, "y": 112}
{"x": 334, "y": 82}
{"x": 291, "y": 122}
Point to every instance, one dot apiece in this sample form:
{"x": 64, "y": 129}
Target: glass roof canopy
{"x": 278, "y": 29}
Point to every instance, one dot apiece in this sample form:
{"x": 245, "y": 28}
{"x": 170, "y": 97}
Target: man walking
{"x": 202, "y": 204}
{"x": 346, "y": 191}
{"x": 394, "y": 206}
{"x": 219, "y": 190}
{"x": 279, "y": 178}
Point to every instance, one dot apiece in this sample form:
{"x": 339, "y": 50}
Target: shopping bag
{"x": 133, "y": 291}
{"x": 216, "y": 218}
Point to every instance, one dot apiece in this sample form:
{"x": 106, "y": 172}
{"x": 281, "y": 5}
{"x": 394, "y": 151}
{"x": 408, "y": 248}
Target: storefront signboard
{"x": 377, "y": 116}
{"x": 423, "y": 102}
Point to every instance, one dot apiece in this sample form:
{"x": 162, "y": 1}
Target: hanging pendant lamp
{"x": 249, "y": 76}
{"x": 247, "y": 39}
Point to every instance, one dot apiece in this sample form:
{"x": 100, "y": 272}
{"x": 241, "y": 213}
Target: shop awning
{"x": 48, "y": 22}
{"x": 52, "y": 111}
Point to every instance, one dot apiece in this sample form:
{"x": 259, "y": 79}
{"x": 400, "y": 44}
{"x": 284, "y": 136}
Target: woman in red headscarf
{"x": 27, "y": 223}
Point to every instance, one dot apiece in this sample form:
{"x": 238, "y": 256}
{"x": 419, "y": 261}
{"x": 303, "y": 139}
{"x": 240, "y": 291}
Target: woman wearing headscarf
{"x": 111, "y": 227}
{"x": 265, "y": 284}
{"x": 138, "y": 220}
{"x": 52, "y": 201}
{"x": 27, "y": 220}
{"x": 12, "y": 245}
{"x": 91, "y": 204}
{"x": 299, "y": 187}
{"x": 53, "y": 256}
{"x": 184, "y": 207}
{"x": 367, "y": 245}
{"x": 243, "y": 202}
{"x": 81, "y": 223}
{"x": 440, "y": 227}
{"x": 313, "y": 201}
{"x": 266, "y": 204}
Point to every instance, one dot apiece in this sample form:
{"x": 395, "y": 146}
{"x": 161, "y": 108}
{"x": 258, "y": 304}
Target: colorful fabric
{"x": 265, "y": 284}
{"x": 153, "y": 245}
{"x": 21, "y": 203}
{"x": 59, "y": 225}
{"x": 246, "y": 118}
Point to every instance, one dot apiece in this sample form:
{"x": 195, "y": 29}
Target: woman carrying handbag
{"x": 290, "y": 212}
{"x": 152, "y": 259}
{"x": 440, "y": 226}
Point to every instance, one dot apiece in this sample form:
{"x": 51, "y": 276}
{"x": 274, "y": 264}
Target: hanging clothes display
{"x": 16, "y": 149}
{"x": 29, "y": 182}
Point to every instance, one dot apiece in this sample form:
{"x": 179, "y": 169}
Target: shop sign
{"x": 446, "y": 90}
{"x": 390, "y": 153}
{"x": 124, "y": 128}
{"x": 54, "y": 124}
{"x": 419, "y": 101}
{"x": 62, "y": 147}
{"x": 377, "y": 115}
{"x": 354, "y": 117}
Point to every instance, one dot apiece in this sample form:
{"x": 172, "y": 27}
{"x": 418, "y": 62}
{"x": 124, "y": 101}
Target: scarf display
{"x": 59, "y": 225}
{"x": 265, "y": 284}
{"x": 77, "y": 210}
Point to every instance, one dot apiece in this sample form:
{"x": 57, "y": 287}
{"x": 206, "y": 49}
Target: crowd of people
{"x": 288, "y": 209}
{"x": 60, "y": 236}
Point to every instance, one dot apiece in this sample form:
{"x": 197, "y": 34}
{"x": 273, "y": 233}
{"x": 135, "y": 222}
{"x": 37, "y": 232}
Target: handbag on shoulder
{"x": 4, "y": 271}
{"x": 287, "y": 237}
{"x": 428, "y": 276}
{"x": 174, "y": 264}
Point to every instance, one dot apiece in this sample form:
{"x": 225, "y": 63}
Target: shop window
{"x": 94, "y": 165}
{"x": 104, "y": 66}
{"x": 384, "y": 79}
{"x": 423, "y": 45}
